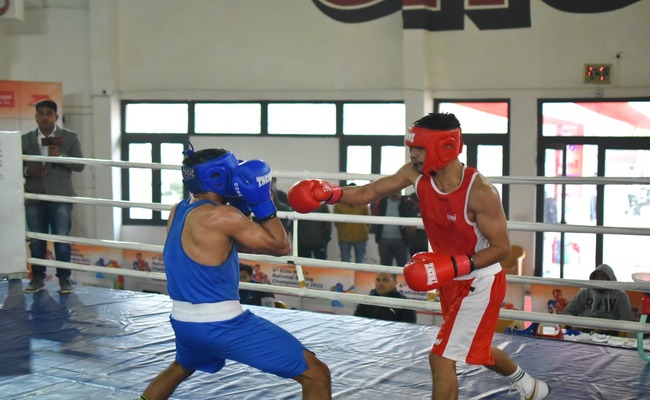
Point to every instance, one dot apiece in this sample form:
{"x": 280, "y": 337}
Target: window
{"x": 373, "y": 138}
{"x": 486, "y": 136}
{"x": 607, "y": 138}
{"x": 158, "y": 131}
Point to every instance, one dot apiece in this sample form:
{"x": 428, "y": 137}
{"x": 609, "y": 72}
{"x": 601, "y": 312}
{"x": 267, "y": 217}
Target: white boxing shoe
{"x": 540, "y": 391}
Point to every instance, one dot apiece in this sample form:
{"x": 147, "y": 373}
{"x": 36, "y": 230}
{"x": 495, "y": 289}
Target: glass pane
{"x": 571, "y": 204}
{"x": 489, "y": 161}
{"x": 156, "y": 118}
{"x": 359, "y": 161}
{"x": 579, "y": 255}
{"x": 302, "y": 118}
{"x": 607, "y": 118}
{"x": 227, "y": 118}
{"x": 579, "y": 251}
{"x": 140, "y": 180}
{"x": 374, "y": 119}
{"x": 170, "y": 180}
{"x": 627, "y": 206}
{"x": 479, "y": 117}
{"x": 392, "y": 159}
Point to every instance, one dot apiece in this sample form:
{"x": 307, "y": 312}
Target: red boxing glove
{"x": 307, "y": 195}
{"x": 428, "y": 271}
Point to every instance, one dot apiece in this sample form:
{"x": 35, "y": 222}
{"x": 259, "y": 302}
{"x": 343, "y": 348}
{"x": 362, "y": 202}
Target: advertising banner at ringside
{"x": 102, "y": 257}
{"x": 12, "y": 234}
{"x": 19, "y": 98}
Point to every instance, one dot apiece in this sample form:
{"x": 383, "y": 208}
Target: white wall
{"x": 105, "y": 51}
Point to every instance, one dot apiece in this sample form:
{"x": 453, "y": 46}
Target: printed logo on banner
{"x": 7, "y": 98}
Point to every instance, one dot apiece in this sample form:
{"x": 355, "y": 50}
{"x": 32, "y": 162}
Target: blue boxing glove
{"x": 240, "y": 205}
{"x": 252, "y": 183}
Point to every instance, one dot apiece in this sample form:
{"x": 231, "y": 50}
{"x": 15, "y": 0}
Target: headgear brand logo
{"x": 410, "y": 136}
{"x": 7, "y": 98}
{"x": 263, "y": 180}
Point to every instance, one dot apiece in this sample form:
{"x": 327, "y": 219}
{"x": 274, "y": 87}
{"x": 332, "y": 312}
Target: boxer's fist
{"x": 428, "y": 271}
{"x": 307, "y": 195}
{"x": 251, "y": 180}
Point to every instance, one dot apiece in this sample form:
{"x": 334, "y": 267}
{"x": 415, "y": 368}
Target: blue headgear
{"x": 212, "y": 175}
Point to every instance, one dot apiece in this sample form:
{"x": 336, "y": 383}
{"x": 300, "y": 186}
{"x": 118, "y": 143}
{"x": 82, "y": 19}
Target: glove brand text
{"x": 263, "y": 180}
{"x": 432, "y": 277}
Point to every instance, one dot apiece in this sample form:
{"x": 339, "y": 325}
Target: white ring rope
{"x": 375, "y": 300}
{"x": 349, "y": 297}
{"x": 306, "y": 174}
{"x": 370, "y": 219}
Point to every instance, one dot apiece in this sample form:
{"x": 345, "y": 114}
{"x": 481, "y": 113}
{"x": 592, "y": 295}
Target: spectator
{"x": 282, "y": 206}
{"x": 352, "y": 235}
{"x": 253, "y": 297}
{"x": 601, "y": 303}
{"x": 50, "y": 178}
{"x": 313, "y": 236}
{"x": 279, "y": 194}
{"x": 416, "y": 236}
{"x": 385, "y": 286}
{"x": 391, "y": 239}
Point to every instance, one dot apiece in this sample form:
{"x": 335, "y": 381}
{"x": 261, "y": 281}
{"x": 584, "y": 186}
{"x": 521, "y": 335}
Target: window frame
{"x": 473, "y": 140}
{"x": 603, "y": 144}
{"x": 157, "y": 139}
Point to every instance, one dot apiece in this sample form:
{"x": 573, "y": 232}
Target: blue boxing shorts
{"x": 247, "y": 338}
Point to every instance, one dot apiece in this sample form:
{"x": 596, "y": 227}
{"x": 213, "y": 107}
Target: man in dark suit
{"x": 53, "y": 179}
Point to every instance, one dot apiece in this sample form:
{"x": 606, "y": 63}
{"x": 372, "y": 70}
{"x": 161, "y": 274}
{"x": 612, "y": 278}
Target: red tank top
{"x": 444, "y": 216}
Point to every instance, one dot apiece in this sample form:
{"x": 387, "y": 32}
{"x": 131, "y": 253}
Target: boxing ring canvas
{"x": 108, "y": 344}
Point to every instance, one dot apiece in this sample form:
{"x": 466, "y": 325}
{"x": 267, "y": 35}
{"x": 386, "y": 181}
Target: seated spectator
{"x": 601, "y": 303}
{"x": 253, "y": 297}
{"x": 385, "y": 286}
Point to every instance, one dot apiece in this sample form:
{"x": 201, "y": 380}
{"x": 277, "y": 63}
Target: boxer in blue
{"x": 204, "y": 233}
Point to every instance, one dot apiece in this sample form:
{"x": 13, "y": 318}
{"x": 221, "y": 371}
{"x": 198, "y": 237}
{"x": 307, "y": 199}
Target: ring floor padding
{"x": 108, "y": 344}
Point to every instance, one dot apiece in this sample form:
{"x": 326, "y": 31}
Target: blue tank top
{"x": 190, "y": 281}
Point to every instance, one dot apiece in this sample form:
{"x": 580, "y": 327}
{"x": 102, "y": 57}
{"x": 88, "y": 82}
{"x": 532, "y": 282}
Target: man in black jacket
{"x": 385, "y": 286}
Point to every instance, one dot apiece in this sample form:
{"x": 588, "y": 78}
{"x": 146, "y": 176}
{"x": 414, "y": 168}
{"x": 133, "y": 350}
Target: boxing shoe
{"x": 65, "y": 286}
{"x": 539, "y": 391}
{"x": 35, "y": 285}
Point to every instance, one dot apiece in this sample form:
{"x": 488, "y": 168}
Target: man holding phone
{"x": 54, "y": 179}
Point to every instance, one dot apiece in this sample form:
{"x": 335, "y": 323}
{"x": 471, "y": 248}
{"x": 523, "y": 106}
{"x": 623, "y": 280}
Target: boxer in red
{"x": 467, "y": 229}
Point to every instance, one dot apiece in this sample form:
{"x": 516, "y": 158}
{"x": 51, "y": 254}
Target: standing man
{"x": 386, "y": 286}
{"x": 202, "y": 268}
{"x": 391, "y": 239}
{"x": 352, "y": 235}
{"x": 49, "y": 178}
{"x": 467, "y": 229}
{"x": 314, "y": 236}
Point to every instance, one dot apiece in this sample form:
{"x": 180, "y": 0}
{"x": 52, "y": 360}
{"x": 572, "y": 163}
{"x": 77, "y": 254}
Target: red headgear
{"x": 442, "y": 146}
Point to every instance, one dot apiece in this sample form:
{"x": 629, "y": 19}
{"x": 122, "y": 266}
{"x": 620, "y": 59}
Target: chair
{"x": 513, "y": 265}
{"x": 280, "y": 304}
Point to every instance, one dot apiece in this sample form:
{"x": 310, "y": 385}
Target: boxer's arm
{"x": 382, "y": 187}
{"x": 486, "y": 210}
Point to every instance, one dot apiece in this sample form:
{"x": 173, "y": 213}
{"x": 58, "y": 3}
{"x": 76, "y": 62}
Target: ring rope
{"x": 368, "y": 219}
{"x": 313, "y": 262}
{"x": 376, "y": 300}
{"x": 306, "y": 174}
{"x": 302, "y": 290}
